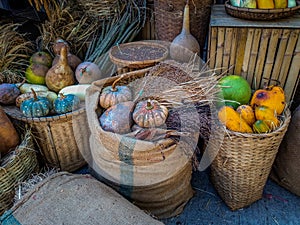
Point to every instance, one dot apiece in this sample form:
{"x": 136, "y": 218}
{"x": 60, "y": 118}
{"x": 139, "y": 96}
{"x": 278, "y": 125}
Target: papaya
{"x": 268, "y": 115}
{"x": 272, "y": 97}
{"x": 247, "y": 113}
{"x": 261, "y": 127}
{"x": 233, "y": 120}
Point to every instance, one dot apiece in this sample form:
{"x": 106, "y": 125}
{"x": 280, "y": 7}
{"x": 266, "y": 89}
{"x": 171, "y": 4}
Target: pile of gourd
{"x": 264, "y": 4}
{"x": 261, "y": 114}
{"x": 52, "y": 85}
{"x": 122, "y": 115}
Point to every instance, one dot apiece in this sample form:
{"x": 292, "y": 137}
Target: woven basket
{"x": 16, "y": 167}
{"x": 55, "y": 137}
{"x": 137, "y": 55}
{"x": 259, "y": 14}
{"x": 243, "y": 163}
{"x": 101, "y": 9}
{"x": 169, "y": 16}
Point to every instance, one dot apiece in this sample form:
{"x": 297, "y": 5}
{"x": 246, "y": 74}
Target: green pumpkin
{"x": 66, "y": 103}
{"x": 36, "y": 107}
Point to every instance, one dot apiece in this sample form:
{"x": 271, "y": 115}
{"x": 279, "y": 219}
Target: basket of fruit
{"x": 261, "y": 9}
{"x": 250, "y": 142}
{"x": 53, "y": 104}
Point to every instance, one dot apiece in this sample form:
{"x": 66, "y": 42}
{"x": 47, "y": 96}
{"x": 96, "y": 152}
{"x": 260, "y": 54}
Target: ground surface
{"x": 278, "y": 206}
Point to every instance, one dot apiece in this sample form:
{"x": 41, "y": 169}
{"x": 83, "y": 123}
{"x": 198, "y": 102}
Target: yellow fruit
{"x": 265, "y": 4}
{"x": 273, "y": 97}
{"x": 261, "y": 127}
{"x": 233, "y": 121}
{"x": 281, "y": 4}
{"x": 247, "y": 113}
{"x": 268, "y": 115}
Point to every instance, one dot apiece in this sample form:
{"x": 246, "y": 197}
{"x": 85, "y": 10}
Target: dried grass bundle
{"x": 66, "y": 22}
{"x": 48, "y": 5}
{"x": 15, "y": 50}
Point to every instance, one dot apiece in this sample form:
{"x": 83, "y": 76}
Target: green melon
{"x": 235, "y": 90}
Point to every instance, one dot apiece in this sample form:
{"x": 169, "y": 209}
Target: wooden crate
{"x": 260, "y": 51}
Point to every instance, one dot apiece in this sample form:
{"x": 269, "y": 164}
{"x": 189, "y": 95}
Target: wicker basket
{"x": 259, "y": 14}
{"x": 16, "y": 167}
{"x": 243, "y": 163}
{"x": 55, "y": 137}
{"x": 169, "y": 16}
{"x": 137, "y": 55}
{"x": 101, "y": 9}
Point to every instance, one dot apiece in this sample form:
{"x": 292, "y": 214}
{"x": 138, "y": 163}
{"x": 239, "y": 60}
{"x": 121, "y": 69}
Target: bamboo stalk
{"x": 233, "y": 51}
{"x": 248, "y": 46}
{"x": 227, "y": 47}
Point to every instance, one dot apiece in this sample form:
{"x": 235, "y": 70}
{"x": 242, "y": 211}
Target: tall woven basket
{"x": 169, "y": 16}
{"x": 16, "y": 167}
{"x": 60, "y": 144}
{"x": 243, "y": 163}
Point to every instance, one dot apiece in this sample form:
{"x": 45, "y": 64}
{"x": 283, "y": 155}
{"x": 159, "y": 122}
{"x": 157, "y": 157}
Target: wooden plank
{"x": 240, "y": 51}
{"x": 288, "y": 56}
{"x": 253, "y": 57}
{"x": 294, "y": 73}
{"x": 233, "y": 51}
{"x": 220, "y": 47}
{"x": 273, "y": 43}
{"x": 219, "y": 18}
{"x": 227, "y": 47}
{"x": 266, "y": 33}
{"x": 280, "y": 54}
{"x": 248, "y": 46}
{"x": 212, "y": 50}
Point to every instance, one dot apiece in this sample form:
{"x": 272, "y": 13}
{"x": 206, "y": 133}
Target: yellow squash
{"x": 233, "y": 120}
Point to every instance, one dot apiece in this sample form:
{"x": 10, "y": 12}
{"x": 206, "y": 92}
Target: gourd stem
{"x": 149, "y": 106}
{"x": 186, "y": 19}
{"x": 23, "y": 82}
{"x": 63, "y": 58}
{"x": 62, "y": 96}
{"x": 34, "y": 95}
{"x": 113, "y": 86}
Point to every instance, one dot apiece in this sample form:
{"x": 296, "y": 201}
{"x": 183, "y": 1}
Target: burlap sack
{"x": 69, "y": 199}
{"x": 286, "y": 168}
{"x": 154, "y": 175}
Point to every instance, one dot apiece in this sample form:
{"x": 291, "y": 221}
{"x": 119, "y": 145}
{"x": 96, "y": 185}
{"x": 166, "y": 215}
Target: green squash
{"x": 66, "y": 103}
{"x": 36, "y": 107}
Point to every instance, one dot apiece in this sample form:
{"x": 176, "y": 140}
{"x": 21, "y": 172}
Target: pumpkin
{"x": 36, "y": 107}
{"x": 233, "y": 121}
{"x": 66, "y": 103}
{"x": 8, "y": 134}
{"x": 118, "y": 118}
{"x": 150, "y": 113}
{"x": 272, "y": 96}
{"x": 247, "y": 113}
{"x": 268, "y": 115}
{"x": 112, "y": 95}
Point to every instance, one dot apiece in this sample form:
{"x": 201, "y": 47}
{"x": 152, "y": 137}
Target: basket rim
{"x": 259, "y": 14}
{"x": 15, "y": 113}
{"x": 130, "y": 63}
{"x": 287, "y": 118}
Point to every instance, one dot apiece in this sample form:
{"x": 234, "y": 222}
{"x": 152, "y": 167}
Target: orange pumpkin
{"x": 8, "y": 134}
